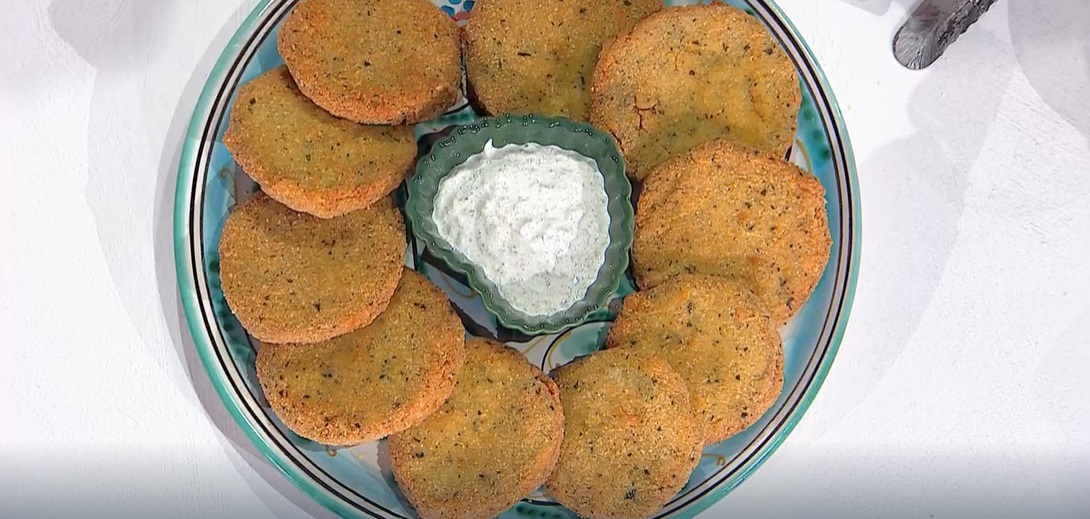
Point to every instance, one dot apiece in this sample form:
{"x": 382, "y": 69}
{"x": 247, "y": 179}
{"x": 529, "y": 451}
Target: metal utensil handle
{"x": 932, "y": 27}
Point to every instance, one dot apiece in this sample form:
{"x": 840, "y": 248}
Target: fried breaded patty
{"x": 378, "y": 380}
{"x": 718, "y": 336}
{"x": 492, "y": 443}
{"x": 374, "y": 61}
{"x": 631, "y": 437}
{"x": 307, "y": 159}
{"x": 293, "y": 277}
{"x": 526, "y": 56}
{"x": 687, "y": 75}
{"x": 728, "y": 211}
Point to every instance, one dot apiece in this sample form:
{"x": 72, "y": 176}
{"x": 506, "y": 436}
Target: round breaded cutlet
{"x": 732, "y": 212}
{"x": 687, "y": 75}
{"x": 378, "y": 380}
{"x": 527, "y": 56}
{"x": 631, "y": 437}
{"x": 493, "y": 442}
{"x": 717, "y": 335}
{"x": 293, "y": 277}
{"x": 374, "y": 61}
{"x": 307, "y": 159}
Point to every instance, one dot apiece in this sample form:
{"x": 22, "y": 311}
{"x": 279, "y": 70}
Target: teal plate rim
{"x": 192, "y": 282}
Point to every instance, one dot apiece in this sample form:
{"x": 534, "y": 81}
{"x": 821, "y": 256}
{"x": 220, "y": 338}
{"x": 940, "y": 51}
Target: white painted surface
{"x": 961, "y": 387}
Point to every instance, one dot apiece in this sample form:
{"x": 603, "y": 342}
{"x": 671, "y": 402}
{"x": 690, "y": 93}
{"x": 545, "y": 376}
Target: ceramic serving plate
{"x": 356, "y": 481}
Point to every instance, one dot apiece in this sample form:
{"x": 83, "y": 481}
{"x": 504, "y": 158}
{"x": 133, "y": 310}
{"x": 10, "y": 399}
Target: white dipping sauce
{"x": 532, "y": 217}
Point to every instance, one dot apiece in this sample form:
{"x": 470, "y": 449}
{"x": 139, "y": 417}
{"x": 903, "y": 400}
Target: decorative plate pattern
{"x": 356, "y": 481}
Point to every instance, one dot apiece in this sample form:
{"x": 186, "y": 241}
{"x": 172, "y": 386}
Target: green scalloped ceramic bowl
{"x": 470, "y": 139}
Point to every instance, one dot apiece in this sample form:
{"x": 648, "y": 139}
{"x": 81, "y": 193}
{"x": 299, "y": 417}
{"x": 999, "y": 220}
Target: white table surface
{"x": 962, "y": 386}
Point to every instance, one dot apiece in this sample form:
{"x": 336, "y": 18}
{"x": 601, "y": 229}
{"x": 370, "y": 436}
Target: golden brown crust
{"x": 527, "y": 56}
{"x": 307, "y": 159}
{"x": 631, "y": 438}
{"x": 292, "y": 277}
{"x": 349, "y": 57}
{"x": 718, "y": 337}
{"x": 492, "y": 443}
{"x": 375, "y": 381}
{"x": 687, "y": 75}
{"x": 745, "y": 215}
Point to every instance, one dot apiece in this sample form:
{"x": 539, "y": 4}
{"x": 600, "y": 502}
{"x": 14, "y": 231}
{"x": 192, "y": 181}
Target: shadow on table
{"x": 878, "y": 7}
{"x": 110, "y": 35}
{"x": 1064, "y": 372}
{"x": 1051, "y": 40}
{"x": 913, "y": 196}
